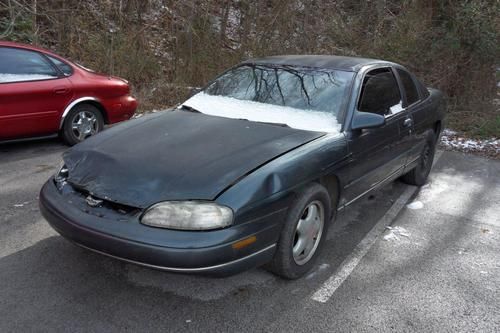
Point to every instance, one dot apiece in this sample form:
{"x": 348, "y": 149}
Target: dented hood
{"x": 176, "y": 155}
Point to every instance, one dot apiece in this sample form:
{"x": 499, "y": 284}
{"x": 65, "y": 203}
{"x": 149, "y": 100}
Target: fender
{"x": 72, "y": 104}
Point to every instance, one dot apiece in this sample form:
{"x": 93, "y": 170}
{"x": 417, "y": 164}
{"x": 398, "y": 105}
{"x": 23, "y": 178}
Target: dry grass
{"x": 162, "y": 45}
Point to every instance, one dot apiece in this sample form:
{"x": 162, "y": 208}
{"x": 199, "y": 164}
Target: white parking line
{"x": 326, "y": 291}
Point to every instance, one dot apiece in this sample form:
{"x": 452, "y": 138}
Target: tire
{"x": 83, "y": 121}
{"x": 418, "y": 175}
{"x": 289, "y": 262}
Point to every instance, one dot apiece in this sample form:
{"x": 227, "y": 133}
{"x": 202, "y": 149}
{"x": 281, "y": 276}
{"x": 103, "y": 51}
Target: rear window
{"x": 409, "y": 87}
{"x": 423, "y": 89}
{"x": 63, "y": 67}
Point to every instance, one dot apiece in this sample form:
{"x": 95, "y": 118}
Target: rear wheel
{"x": 418, "y": 175}
{"x": 83, "y": 121}
{"x": 303, "y": 234}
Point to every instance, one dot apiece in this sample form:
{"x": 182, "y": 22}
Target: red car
{"x": 42, "y": 93}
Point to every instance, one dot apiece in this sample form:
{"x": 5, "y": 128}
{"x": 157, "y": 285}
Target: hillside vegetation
{"x": 163, "y": 46}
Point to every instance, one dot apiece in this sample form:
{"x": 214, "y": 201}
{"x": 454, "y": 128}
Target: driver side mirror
{"x": 363, "y": 120}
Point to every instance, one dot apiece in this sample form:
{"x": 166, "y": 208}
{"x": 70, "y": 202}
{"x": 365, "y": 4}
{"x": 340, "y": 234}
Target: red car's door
{"x": 33, "y": 94}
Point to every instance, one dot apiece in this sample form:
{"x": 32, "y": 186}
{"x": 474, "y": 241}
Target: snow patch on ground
{"x": 415, "y": 205}
{"x": 395, "y": 233}
{"x": 5, "y": 78}
{"x": 454, "y": 141}
{"x": 254, "y": 111}
{"x": 435, "y": 187}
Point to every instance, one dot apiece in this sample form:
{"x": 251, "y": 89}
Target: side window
{"x": 423, "y": 89}
{"x": 409, "y": 86}
{"x": 63, "y": 67}
{"x": 380, "y": 93}
{"x": 18, "y": 65}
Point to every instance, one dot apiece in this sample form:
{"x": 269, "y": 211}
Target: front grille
{"x": 117, "y": 207}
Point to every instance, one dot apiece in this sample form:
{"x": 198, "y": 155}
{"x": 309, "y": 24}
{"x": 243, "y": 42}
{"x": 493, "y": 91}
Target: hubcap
{"x": 84, "y": 124}
{"x": 308, "y": 232}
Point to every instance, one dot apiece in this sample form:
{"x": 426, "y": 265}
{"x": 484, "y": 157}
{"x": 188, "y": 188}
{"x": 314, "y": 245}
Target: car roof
{"x": 28, "y": 47}
{"x": 352, "y": 64}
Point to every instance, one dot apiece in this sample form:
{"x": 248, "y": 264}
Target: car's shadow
{"x": 58, "y": 283}
{"x": 17, "y": 150}
{"x": 54, "y": 263}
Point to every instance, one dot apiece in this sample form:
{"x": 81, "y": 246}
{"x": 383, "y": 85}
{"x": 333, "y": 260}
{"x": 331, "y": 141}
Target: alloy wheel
{"x": 308, "y": 232}
{"x": 84, "y": 124}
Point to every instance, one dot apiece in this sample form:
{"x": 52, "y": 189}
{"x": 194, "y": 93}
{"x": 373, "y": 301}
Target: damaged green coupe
{"x": 250, "y": 170}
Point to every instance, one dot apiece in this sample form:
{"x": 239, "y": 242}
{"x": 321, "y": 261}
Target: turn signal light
{"x": 244, "y": 243}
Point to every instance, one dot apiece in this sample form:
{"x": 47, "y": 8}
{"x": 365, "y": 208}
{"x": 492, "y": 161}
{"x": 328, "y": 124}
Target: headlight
{"x": 188, "y": 215}
{"x": 62, "y": 173}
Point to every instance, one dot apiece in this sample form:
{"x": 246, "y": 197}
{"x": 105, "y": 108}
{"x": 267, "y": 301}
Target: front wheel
{"x": 303, "y": 234}
{"x": 83, "y": 121}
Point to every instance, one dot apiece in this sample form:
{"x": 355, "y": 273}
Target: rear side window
{"x": 423, "y": 89}
{"x": 63, "y": 67}
{"x": 380, "y": 93}
{"x": 409, "y": 87}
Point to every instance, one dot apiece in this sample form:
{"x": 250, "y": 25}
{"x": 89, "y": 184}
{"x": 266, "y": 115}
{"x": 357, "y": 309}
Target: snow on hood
{"x": 4, "y": 78}
{"x": 229, "y": 107}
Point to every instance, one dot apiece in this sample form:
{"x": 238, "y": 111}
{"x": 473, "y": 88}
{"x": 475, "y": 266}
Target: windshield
{"x": 302, "y": 98}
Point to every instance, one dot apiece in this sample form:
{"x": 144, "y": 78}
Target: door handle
{"x": 61, "y": 91}
{"x": 408, "y": 122}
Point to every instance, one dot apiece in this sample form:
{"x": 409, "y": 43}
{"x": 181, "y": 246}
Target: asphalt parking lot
{"x": 436, "y": 267}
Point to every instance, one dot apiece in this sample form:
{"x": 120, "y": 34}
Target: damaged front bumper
{"x": 120, "y": 235}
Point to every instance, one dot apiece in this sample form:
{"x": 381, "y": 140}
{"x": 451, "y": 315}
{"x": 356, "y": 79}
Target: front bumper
{"x": 123, "y": 237}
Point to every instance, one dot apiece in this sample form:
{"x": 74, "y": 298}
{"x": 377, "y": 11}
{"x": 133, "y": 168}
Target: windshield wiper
{"x": 266, "y": 122}
{"x": 189, "y": 108}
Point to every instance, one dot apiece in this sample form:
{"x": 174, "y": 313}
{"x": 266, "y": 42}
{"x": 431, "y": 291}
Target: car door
{"x": 33, "y": 94}
{"x": 416, "y": 110}
{"x": 378, "y": 154}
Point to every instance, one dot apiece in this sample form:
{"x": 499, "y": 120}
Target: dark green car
{"x": 251, "y": 169}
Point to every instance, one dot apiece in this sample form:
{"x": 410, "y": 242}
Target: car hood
{"x": 176, "y": 155}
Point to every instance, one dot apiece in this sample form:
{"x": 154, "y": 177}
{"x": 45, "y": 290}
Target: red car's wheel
{"x": 83, "y": 121}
